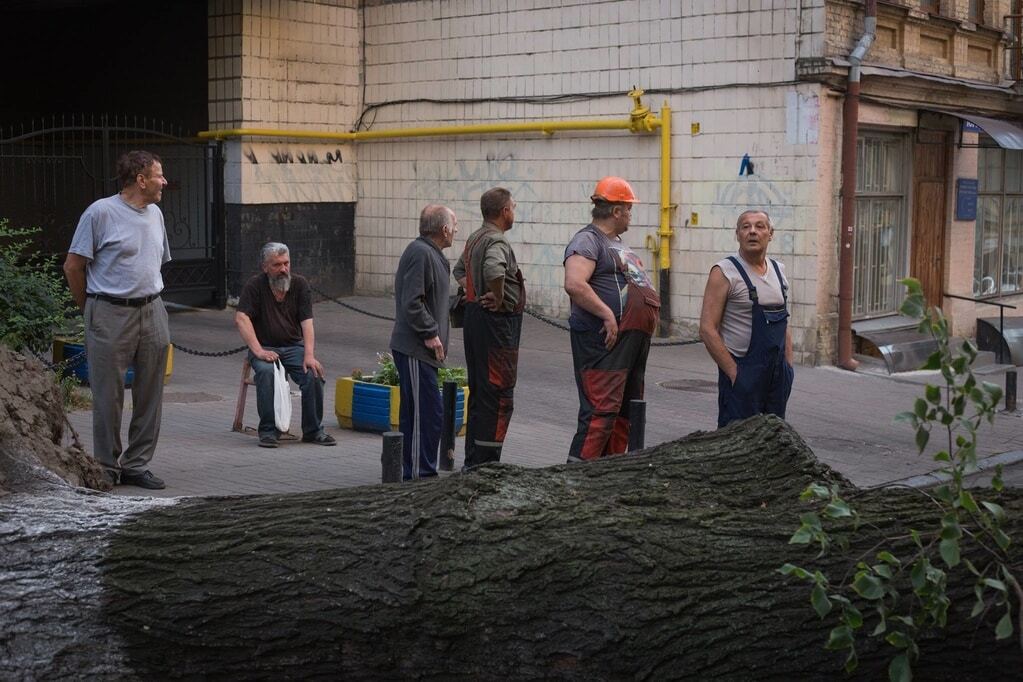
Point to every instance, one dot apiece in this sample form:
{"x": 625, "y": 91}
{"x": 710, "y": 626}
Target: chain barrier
{"x": 350, "y": 306}
{"x": 209, "y": 354}
{"x": 555, "y": 323}
{"x": 62, "y": 365}
{"x": 77, "y": 359}
{"x": 532, "y": 313}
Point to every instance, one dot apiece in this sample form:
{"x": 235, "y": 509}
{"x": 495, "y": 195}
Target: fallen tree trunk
{"x": 661, "y": 565}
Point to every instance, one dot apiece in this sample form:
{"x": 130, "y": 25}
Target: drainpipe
{"x": 850, "y": 124}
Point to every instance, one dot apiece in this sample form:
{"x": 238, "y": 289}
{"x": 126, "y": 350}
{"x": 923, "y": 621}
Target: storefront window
{"x": 880, "y": 236}
{"x": 998, "y": 256}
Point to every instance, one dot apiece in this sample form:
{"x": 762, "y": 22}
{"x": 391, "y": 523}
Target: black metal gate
{"x": 51, "y": 170}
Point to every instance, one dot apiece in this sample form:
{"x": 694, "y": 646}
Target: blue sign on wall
{"x": 966, "y": 198}
{"x": 971, "y": 127}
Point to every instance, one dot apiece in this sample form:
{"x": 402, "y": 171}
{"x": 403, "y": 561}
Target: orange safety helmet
{"x": 614, "y": 190}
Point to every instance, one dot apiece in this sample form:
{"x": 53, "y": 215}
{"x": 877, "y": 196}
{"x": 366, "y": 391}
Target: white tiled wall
{"x": 725, "y": 64}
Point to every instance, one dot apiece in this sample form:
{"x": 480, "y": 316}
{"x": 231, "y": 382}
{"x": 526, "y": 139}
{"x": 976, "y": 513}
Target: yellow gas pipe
{"x": 640, "y": 120}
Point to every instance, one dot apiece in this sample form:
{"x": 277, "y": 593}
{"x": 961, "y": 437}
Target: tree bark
{"x": 661, "y": 565}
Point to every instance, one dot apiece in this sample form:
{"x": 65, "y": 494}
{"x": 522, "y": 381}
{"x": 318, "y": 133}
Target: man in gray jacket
{"x": 419, "y": 340}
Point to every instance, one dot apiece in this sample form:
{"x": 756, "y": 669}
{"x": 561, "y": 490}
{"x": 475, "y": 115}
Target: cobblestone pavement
{"x": 845, "y": 417}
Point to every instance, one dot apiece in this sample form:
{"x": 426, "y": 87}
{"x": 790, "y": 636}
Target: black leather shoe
{"x": 144, "y": 479}
{"x": 320, "y": 439}
{"x": 111, "y": 475}
{"x": 268, "y": 441}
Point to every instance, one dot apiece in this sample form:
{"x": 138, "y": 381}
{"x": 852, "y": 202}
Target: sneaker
{"x": 144, "y": 479}
{"x": 268, "y": 441}
{"x": 320, "y": 439}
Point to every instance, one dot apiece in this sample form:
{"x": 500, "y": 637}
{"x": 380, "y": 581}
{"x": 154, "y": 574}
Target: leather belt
{"x": 133, "y": 302}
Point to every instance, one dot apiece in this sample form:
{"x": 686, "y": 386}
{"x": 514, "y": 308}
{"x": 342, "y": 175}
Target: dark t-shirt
{"x": 609, "y": 281}
{"x": 277, "y": 324}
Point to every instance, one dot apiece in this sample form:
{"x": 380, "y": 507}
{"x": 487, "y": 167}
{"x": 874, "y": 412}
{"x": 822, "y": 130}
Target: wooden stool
{"x": 243, "y": 390}
{"x": 239, "y": 410}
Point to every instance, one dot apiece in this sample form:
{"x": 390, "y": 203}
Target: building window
{"x": 879, "y": 242}
{"x": 931, "y": 6}
{"x": 998, "y": 249}
{"x": 975, "y": 11}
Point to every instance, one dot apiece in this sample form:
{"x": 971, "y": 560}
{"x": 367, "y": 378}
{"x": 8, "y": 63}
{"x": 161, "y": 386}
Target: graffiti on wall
{"x": 284, "y": 155}
{"x": 752, "y": 192}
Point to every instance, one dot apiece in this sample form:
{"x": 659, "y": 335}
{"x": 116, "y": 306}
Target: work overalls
{"x": 763, "y": 379}
{"x": 492, "y": 357}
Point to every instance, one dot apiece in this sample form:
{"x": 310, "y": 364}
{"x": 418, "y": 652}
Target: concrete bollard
{"x": 637, "y": 424}
{"x": 390, "y": 458}
{"x": 447, "y": 431}
{"x": 1010, "y": 391}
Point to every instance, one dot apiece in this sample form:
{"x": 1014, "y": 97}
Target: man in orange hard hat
{"x": 614, "y": 314}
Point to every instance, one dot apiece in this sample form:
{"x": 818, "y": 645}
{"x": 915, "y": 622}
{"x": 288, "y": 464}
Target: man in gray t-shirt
{"x": 113, "y": 272}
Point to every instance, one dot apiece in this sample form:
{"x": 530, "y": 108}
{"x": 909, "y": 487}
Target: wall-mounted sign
{"x": 966, "y": 198}
{"x": 970, "y": 127}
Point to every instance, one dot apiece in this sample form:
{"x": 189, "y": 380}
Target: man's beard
{"x": 281, "y": 283}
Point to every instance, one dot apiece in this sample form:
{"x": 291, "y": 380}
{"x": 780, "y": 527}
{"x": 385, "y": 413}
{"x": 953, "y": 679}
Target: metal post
{"x": 447, "y": 431}
{"x": 1010, "y": 391}
{"x": 390, "y": 458}
{"x": 637, "y": 424}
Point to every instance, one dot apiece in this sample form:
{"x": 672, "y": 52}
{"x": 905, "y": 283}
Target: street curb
{"x": 936, "y": 477}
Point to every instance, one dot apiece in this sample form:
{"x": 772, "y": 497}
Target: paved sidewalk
{"x": 846, "y": 418}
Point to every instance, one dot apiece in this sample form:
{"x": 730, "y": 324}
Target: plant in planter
{"x": 372, "y": 402}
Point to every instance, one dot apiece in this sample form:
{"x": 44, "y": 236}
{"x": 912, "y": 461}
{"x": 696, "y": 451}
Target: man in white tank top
{"x": 744, "y": 325}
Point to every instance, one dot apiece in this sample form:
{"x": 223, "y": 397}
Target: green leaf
{"x": 949, "y": 552}
{"x": 920, "y": 408}
{"x": 899, "y": 670}
{"x": 944, "y": 493}
{"x": 996, "y": 481}
{"x": 837, "y": 509}
{"x": 906, "y": 417}
{"x": 916, "y": 538}
{"x": 814, "y": 491}
{"x": 851, "y": 661}
{"x": 922, "y": 436}
{"x": 853, "y": 617}
{"x": 868, "y": 587}
{"x": 803, "y": 536}
{"x": 1001, "y": 538}
{"x": 840, "y": 638}
{"x": 997, "y": 584}
{"x": 978, "y": 607}
{"x": 918, "y": 575}
{"x": 880, "y": 628}
{"x": 820, "y": 602}
{"x": 883, "y": 571}
{"x": 970, "y": 567}
{"x": 950, "y": 529}
{"x": 1004, "y": 627}
{"x": 942, "y": 456}
{"x": 933, "y": 361}
{"x": 996, "y": 510}
{"x": 898, "y": 639}
{"x": 796, "y": 571}
{"x": 933, "y": 394}
{"x": 888, "y": 558}
{"x": 968, "y": 503}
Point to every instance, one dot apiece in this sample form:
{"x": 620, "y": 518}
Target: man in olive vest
{"x": 495, "y": 297}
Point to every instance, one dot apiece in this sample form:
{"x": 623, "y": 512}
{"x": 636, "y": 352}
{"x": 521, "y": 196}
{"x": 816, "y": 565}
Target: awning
{"x": 1008, "y": 134}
